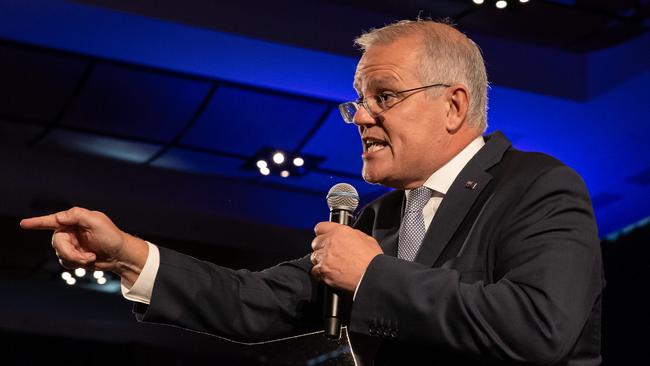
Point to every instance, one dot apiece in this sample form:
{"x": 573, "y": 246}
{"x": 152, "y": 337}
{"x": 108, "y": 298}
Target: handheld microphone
{"x": 342, "y": 200}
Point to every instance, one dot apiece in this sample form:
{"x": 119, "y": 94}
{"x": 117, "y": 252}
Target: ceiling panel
{"x": 134, "y": 152}
{"x": 531, "y": 23}
{"x": 243, "y": 121}
{"x": 641, "y": 178}
{"x": 34, "y": 84}
{"x": 321, "y": 182}
{"x": 603, "y": 199}
{"x": 339, "y": 142}
{"x": 203, "y": 163}
{"x": 136, "y": 103}
{"x": 210, "y": 164}
{"x": 17, "y": 133}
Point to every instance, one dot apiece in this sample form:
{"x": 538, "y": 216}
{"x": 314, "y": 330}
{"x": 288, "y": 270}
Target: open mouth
{"x": 372, "y": 145}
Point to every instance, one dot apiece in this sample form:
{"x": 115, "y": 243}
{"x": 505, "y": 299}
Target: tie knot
{"x": 418, "y": 198}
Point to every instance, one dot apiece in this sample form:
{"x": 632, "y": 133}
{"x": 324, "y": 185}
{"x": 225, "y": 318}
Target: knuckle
{"x": 315, "y": 273}
{"x": 99, "y": 214}
{"x": 324, "y": 270}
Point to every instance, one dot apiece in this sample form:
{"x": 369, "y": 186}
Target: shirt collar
{"x": 441, "y": 179}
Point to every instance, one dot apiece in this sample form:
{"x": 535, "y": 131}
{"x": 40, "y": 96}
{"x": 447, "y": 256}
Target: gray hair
{"x": 448, "y": 54}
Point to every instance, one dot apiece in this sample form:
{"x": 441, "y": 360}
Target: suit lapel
{"x": 454, "y": 207}
{"x": 388, "y": 242}
{"x": 458, "y": 201}
{"x": 381, "y": 219}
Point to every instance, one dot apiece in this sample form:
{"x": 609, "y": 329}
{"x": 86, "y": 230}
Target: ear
{"x": 458, "y": 98}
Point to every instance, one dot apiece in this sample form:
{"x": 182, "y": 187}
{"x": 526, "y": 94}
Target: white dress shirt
{"x": 439, "y": 182}
{"x": 441, "y": 179}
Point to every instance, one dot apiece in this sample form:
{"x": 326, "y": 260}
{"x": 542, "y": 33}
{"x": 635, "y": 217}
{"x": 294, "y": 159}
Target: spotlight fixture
{"x": 278, "y": 158}
{"x": 278, "y": 162}
{"x": 500, "y": 4}
{"x": 97, "y": 280}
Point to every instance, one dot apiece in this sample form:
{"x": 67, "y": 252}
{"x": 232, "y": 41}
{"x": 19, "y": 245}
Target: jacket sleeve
{"x": 546, "y": 277}
{"x": 239, "y": 305}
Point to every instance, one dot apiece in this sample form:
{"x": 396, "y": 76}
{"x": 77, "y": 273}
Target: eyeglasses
{"x": 380, "y": 103}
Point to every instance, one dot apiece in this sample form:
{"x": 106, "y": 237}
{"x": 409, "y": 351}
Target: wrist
{"x": 132, "y": 262}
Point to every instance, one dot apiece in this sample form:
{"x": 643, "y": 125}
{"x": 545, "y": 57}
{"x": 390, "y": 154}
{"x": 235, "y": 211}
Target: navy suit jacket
{"x": 510, "y": 272}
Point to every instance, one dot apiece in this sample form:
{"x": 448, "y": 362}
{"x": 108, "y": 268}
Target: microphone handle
{"x": 332, "y": 320}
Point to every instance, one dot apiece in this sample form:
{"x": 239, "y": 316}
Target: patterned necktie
{"x": 412, "y": 231}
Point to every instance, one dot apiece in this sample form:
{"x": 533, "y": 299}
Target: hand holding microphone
{"x": 341, "y": 253}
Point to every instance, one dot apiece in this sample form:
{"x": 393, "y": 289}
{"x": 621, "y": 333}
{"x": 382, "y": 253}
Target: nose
{"x": 363, "y": 118}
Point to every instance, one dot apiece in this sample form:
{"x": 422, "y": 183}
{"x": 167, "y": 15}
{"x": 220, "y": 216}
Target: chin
{"x": 369, "y": 177}
{"x": 375, "y": 178}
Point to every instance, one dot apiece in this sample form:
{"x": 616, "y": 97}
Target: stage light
{"x": 273, "y": 160}
{"x": 80, "y": 272}
{"x": 101, "y": 280}
{"x": 479, "y": 2}
{"x": 501, "y": 4}
{"x": 523, "y": 1}
{"x": 98, "y": 274}
{"x": 65, "y": 275}
{"x": 278, "y": 158}
{"x": 298, "y": 161}
{"x": 71, "y": 281}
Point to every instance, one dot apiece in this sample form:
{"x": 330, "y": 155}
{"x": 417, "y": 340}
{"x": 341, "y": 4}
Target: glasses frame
{"x": 347, "y": 107}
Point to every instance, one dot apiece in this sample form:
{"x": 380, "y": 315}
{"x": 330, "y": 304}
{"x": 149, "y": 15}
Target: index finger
{"x": 47, "y": 222}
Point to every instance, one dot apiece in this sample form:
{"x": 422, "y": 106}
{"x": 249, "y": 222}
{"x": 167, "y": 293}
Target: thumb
{"x": 325, "y": 227}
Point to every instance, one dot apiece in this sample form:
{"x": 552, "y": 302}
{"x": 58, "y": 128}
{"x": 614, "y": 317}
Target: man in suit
{"x": 482, "y": 255}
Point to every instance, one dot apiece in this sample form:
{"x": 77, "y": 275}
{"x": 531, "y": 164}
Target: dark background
{"x": 155, "y": 112}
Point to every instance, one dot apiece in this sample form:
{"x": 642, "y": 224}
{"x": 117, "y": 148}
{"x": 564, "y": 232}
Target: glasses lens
{"x": 348, "y": 110}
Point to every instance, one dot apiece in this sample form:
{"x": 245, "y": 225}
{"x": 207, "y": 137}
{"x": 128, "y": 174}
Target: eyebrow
{"x": 376, "y": 83}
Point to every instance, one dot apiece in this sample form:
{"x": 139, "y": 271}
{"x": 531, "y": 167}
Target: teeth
{"x": 375, "y": 147}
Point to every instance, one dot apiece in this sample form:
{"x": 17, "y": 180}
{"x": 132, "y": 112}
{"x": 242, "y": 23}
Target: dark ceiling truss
{"x": 321, "y": 120}
{"x": 56, "y": 123}
{"x": 175, "y": 141}
{"x": 633, "y": 14}
{"x": 253, "y": 181}
{"x": 636, "y": 13}
{"x": 593, "y": 17}
{"x": 71, "y": 100}
{"x": 635, "y": 20}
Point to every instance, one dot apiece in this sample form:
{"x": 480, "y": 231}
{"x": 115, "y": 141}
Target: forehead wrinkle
{"x": 376, "y": 81}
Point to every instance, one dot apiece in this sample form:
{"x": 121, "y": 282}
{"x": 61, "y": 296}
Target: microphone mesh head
{"x": 342, "y": 196}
